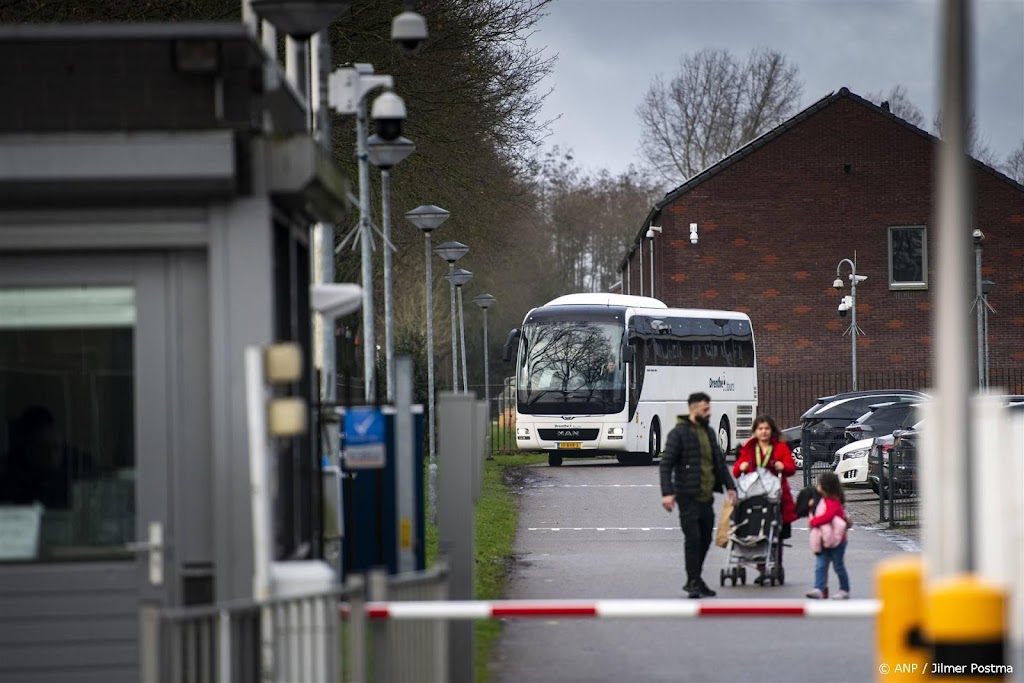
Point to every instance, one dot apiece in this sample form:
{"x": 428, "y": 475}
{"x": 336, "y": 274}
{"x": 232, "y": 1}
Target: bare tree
{"x": 1014, "y": 166}
{"x": 976, "y": 145}
{"x": 712, "y": 106}
{"x": 899, "y": 104}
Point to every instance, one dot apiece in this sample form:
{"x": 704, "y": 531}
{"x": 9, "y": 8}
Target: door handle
{"x": 155, "y": 547}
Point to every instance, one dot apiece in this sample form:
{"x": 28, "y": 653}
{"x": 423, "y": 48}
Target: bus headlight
{"x": 615, "y": 431}
{"x": 522, "y": 431}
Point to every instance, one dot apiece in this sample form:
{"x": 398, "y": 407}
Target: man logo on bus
{"x": 575, "y": 433}
{"x": 720, "y": 383}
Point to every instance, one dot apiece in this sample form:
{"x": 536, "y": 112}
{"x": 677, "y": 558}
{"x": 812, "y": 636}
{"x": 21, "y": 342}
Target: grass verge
{"x": 496, "y": 517}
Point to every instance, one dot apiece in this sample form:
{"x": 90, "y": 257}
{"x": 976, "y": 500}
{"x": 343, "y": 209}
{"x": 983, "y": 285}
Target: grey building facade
{"x": 157, "y": 185}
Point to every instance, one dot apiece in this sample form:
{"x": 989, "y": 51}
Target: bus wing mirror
{"x": 510, "y": 344}
{"x": 627, "y": 354}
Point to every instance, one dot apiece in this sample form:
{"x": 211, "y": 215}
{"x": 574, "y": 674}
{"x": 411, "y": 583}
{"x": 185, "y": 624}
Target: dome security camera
{"x": 978, "y": 236}
{"x": 845, "y": 304}
{"x": 838, "y": 283}
{"x": 388, "y": 115}
{"x": 409, "y": 32}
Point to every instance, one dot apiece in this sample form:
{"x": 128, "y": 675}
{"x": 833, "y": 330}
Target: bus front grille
{"x": 568, "y": 434}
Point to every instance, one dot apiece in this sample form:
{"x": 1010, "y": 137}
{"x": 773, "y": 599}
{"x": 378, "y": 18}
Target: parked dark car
{"x": 824, "y": 424}
{"x": 881, "y": 419}
{"x": 899, "y": 454}
{"x": 791, "y": 435}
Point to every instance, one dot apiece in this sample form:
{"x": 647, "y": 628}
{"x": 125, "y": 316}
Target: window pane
{"x": 907, "y": 254}
{"x": 67, "y": 427}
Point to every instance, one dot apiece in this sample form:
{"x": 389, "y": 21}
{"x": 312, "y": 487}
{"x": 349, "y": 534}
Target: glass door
{"x": 83, "y": 462}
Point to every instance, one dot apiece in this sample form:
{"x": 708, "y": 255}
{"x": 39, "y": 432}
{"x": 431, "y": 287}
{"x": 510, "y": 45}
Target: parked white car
{"x": 852, "y": 468}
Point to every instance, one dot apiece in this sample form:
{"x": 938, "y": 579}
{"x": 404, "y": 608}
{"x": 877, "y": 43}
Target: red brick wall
{"x": 774, "y": 225}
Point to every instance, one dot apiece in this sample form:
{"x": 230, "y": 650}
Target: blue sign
{"x": 364, "y": 438}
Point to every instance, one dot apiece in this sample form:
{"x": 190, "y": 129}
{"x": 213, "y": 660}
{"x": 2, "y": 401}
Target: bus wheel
{"x": 653, "y": 446}
{"x": 554, "y": 460}
{"x": 724, "y": 434}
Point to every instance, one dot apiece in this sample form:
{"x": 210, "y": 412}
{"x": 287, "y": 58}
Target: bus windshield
{"x": 571, "y": 368}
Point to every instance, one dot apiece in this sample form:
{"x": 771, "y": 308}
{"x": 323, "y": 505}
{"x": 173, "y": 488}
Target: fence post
{"x": 357, "y": 629}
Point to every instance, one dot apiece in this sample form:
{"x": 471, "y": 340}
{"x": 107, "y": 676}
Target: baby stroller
{"x": 756, "y": 529}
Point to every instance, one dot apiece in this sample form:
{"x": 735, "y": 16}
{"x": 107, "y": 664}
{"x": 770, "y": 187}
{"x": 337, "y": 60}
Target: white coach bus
{"x": 608, "y": 374}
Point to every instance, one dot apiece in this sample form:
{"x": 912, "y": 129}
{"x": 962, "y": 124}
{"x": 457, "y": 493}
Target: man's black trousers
{"x": 697, "y": 520}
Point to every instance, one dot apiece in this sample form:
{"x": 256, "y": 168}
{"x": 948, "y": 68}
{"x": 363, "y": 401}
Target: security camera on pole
{"x": 849, "y": 304}
{"x": 349, "y": 86}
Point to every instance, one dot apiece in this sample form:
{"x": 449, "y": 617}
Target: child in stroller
{"x": 755, "y": 532}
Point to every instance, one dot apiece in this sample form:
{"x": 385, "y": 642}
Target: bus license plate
{"x": 567, "y": 445}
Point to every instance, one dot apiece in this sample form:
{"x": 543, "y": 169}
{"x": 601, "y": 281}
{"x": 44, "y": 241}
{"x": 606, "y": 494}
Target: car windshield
{"x": 571, "y": 367}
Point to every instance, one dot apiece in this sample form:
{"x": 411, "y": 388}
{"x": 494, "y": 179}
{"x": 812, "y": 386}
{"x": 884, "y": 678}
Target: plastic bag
{"x": 724, "y": 524}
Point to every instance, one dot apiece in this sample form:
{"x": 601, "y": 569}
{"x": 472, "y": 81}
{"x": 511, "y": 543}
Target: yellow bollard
{"x": 965, "y": 621}
{"x": 899, "y": 587}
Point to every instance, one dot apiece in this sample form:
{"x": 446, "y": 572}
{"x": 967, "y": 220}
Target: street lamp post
{"x": 460, "y": 277}
{"x": 385, "y": 154}
{"x": 650, "y": 235}
{"x": 452, "y": 252}
{"x": 485, "y": 301}
{"x": 986, "y": 288}
{"x": 979, "y": 237}
{"x": 348, "y": 89}
{"x": 849, "y": 304}
{"x": 429, "y": 218}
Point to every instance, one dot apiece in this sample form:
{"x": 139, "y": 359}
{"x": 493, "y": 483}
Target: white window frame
{"x": 909, "y": 284}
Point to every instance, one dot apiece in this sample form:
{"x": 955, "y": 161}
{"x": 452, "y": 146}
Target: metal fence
{"x": 787, "y": 395}
{"x": 303, "y": 638}
{"x": 294, "y": 638}
{"x": 898, "y": 502}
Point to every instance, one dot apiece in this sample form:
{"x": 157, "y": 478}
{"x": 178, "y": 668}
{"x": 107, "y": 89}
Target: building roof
{"x": 759, "y": 142}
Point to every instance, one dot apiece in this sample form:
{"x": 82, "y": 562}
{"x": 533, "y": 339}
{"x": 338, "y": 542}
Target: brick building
{"x": 843, "y": 179}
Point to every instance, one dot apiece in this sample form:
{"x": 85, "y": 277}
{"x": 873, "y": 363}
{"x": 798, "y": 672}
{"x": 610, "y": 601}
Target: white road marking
{"x": 595, "y": 486}
{"x": 602, "y": 528}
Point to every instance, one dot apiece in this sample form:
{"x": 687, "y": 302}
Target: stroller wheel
{"x": 734, "y": 580}
{"x": 721, "y": 577}
{"x": 782, "y": 576}
{"x": 743, "y": 576}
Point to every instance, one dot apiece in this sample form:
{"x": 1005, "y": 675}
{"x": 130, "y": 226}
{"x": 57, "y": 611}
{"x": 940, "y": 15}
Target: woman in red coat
{"x": 767, "y": 449}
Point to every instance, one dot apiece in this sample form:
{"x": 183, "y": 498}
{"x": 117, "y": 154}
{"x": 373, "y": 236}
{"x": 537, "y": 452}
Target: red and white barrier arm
{"x": 616, "y": 609}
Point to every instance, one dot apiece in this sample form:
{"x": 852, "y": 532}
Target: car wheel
{"x": 554, "y": 460}
{"x": 724, "y": 434}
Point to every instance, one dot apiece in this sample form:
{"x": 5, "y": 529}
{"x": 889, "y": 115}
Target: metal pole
{"x": 462, "y": 334}
{"x": 984, "y": 301}
{"x": 853, "y": 322}
{"x": 487, "y": 380}
{"x": 389, "y": 325}
{"x": 946, "y": 500}
{"x": 369, "y": 344}
{"x": 432, "y": 420}
{"x": 652, "y": 265}
{"x": 455, "y": 338}
{"x": 978, "y": 305}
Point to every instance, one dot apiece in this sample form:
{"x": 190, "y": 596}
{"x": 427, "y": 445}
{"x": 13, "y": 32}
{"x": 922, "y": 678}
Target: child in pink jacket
{"x": 828, "y": 538}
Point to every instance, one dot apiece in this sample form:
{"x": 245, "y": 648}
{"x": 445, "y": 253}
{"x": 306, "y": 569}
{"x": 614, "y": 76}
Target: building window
{"x": 908, "y": 257}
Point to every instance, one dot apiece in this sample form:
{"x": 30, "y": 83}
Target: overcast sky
{"x": 610, "y": 50}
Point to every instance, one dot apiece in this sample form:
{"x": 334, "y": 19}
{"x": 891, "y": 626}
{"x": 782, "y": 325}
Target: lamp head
{"x": 838, "y": 283}
{"x": 427, "y": 217}
{"x": 978, "y": 236}
{"x": 459, "y": 277}
{"x": 484, "y": 301}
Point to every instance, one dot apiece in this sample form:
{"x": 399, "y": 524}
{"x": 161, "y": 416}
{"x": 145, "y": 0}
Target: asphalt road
{"x": 595, "y": 529}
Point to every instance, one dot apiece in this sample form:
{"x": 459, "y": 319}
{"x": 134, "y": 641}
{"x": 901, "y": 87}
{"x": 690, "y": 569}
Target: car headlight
{"x": 522, "y": 431}
{"x": 615, "y": 431}
{"x": 859, "y": 453}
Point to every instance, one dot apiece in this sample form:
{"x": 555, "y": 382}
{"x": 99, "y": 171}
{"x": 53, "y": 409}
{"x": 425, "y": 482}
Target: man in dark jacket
{"x": 692, "y": 469}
